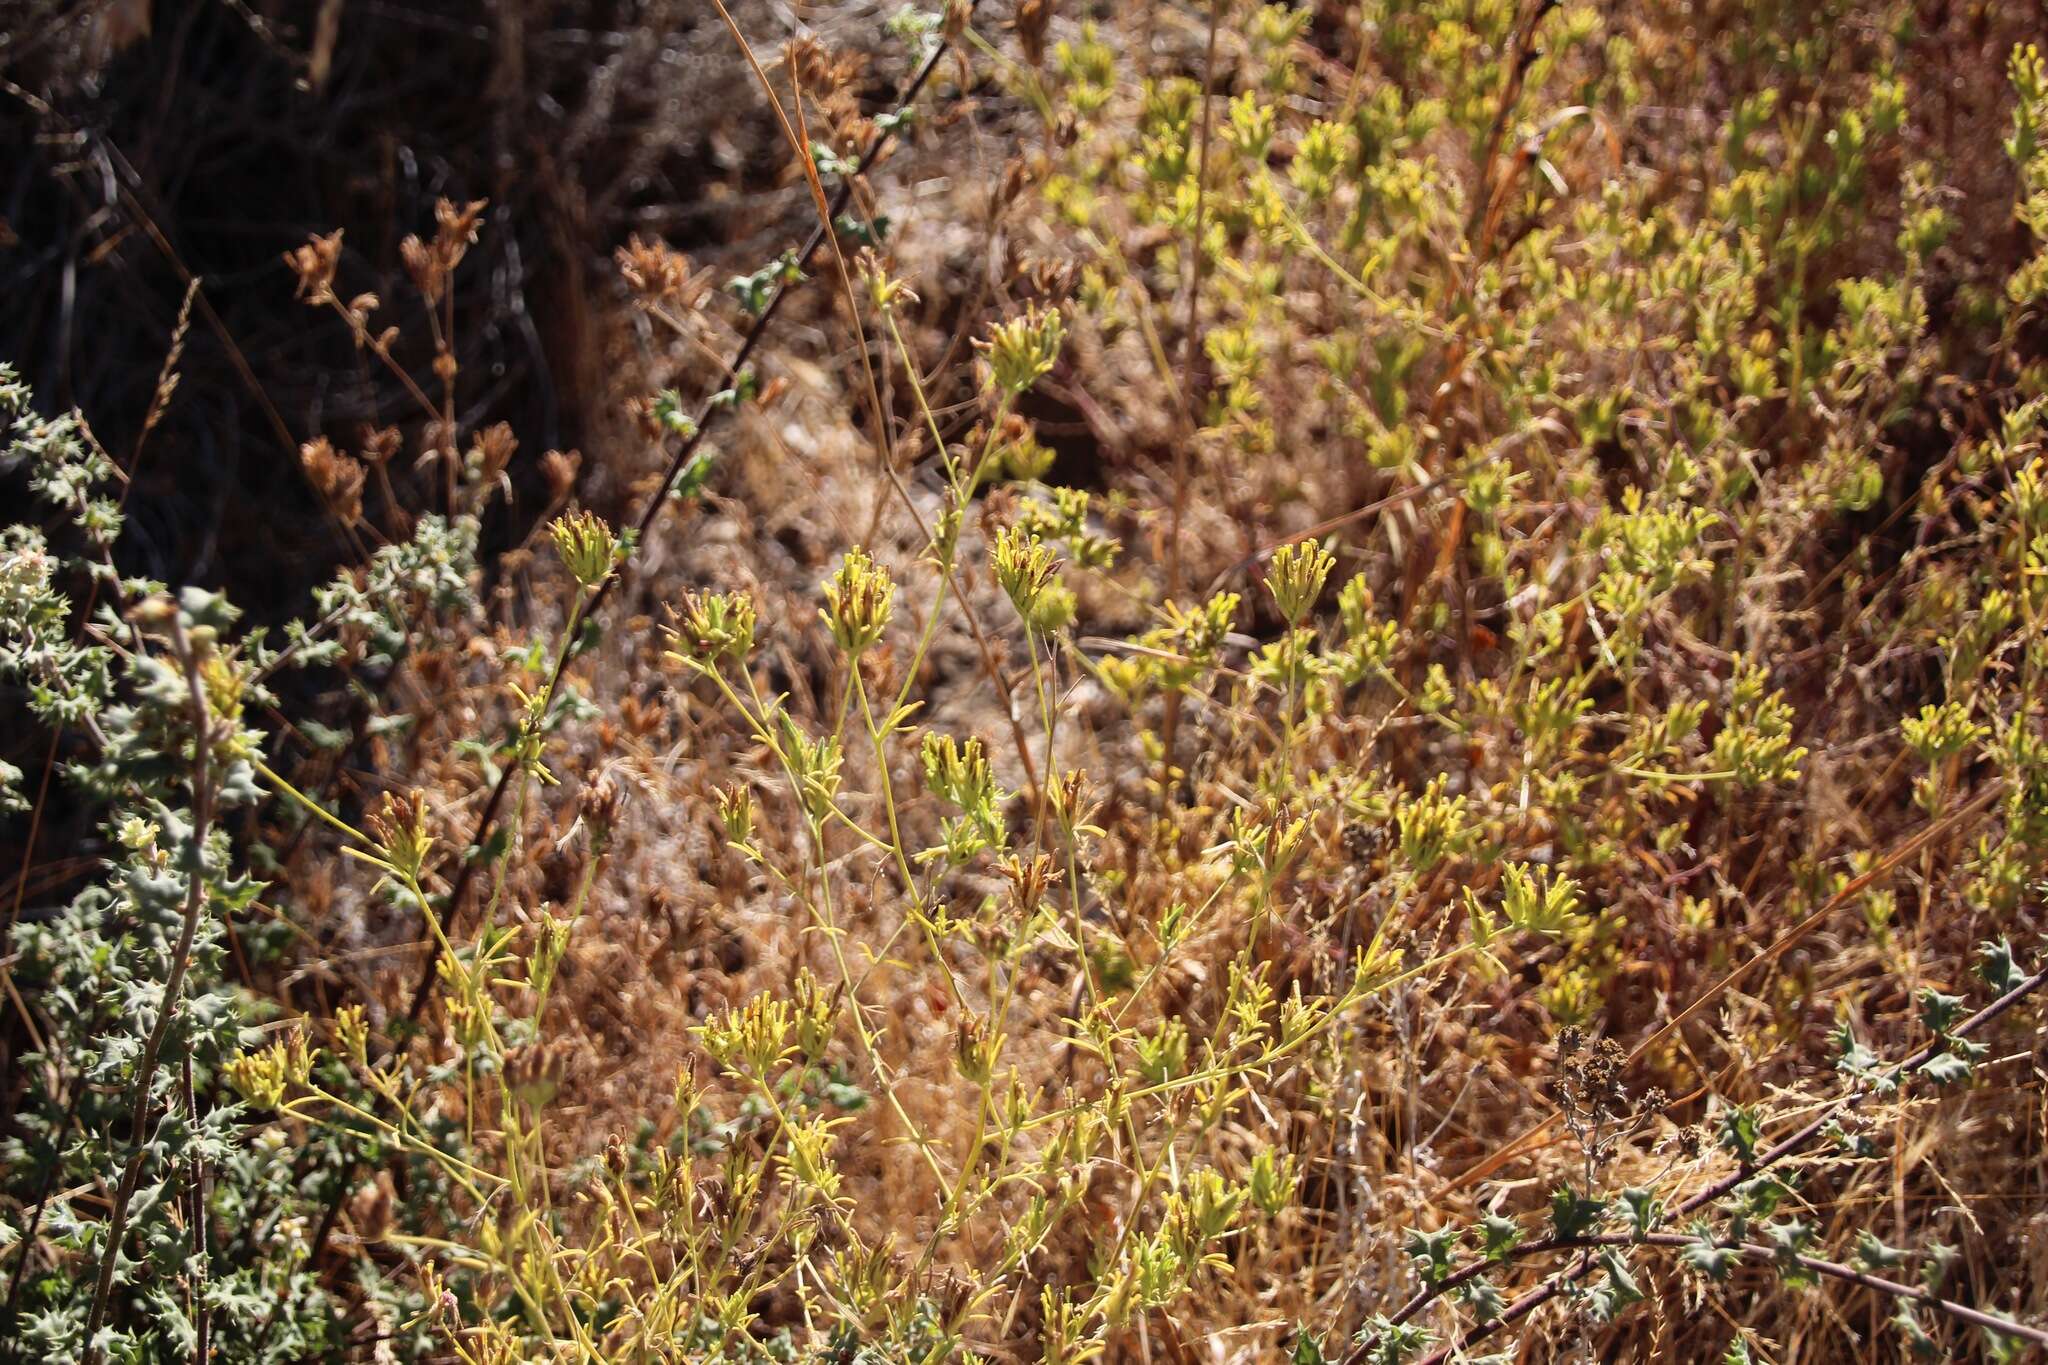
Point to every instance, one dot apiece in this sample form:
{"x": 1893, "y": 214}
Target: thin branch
{"x": 174, "y": 986}
{"x": 1849, "y": 891}
{"x": 1169, "y": 725}
{"x": 1757, "y": 1251}
{"x": 707, "y": 414}
{"x": 1196, "y": 259}
{"x": 1719, "y": 1189}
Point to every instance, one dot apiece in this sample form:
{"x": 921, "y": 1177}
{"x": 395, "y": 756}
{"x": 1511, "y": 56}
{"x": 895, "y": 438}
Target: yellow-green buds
{"x": 1755, "y": 741}
{"x": 1018, "y": 451}
{"x": 1940, "y": 732}
{"x": 1191, "y": 642}
{"x": 814, "y": 763}
{"x": 816, "y": 1012}
{"x": 352, "y": 1033}
{"x": 957, "y": 772}
{"x": 807, "y": 1157}
{"x": 1297, "y": 576}
{"x": 736, "y": 812}
{"x": 135, "y": 833}
{"x": 1209, "y": 1204}
{"x": 550, "y": 942}
{"x": 400, "y": 829}
{"x": 756, "y": 1035}
{"x": 263, "y": 1078}
{"x": 1432, "y": 826}
{"x": 1264, "y": 842}
{"x": 714, "y": 625}
{"x": 960, "y": 773}
{"x": 1163, "y": 1054}
{"x": 858, "y": 602}
{"x": 587, "y": 547}
{"x": 1536, "y": 904}
{"x": 885, "y": 291}
{"x": 1029, "y": 573}
{"x": 1272, "y": 1181}
{"x": 1021, "y": 351}
{"x": 1319, "y": 158}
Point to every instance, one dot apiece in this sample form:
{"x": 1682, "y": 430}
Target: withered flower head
{"x": 1029, "y": 881}
{"x": 436, "y": 436}
{"x": 338, "y": 479}
{"x": 458, "y": 225}
{"x": 850, "y": 128}
{"x": 432, "y": 266}
{"x": 1018, "y": 175}
{"x": 1032, "y": 18}
{"x": 380, "y": 444}
{"x": 819, "y": 72}
{"x": 656, "y": 272}
{"x": 359, "y": 309}
{"x": 559, "y": 470}
{"x": 600, "y": 803}
{"x": 495, "y": 446}
{"x": 419, "y": 263}
{"x": 958, "y": 12}
{"x": 534, "y": 1072}
{"x": 315, "y": 264}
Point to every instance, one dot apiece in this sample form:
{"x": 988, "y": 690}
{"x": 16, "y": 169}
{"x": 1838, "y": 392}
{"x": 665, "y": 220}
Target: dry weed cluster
{"x": 1381, "y": 701}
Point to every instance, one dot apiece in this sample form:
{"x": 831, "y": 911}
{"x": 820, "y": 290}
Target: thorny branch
{"x": 1790, "y": 1145}
{"x": 174, "y": 985}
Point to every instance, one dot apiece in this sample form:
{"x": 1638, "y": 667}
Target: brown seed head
{"x": 1033, "y": 16}
{"x": 337, "y": 478}
{"x": 495, "y": 446}
{"x": 315, "y": 264}
{"x": 560, "y": 469}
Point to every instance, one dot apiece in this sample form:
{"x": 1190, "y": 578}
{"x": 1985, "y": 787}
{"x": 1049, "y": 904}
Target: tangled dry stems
{"x": 1624, "y": 618}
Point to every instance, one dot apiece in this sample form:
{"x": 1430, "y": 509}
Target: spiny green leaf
{"x": 1740, "y": 1352}
{"x": 1996, "y": 965}
{"x": 1643, "y": 1210}
{"x": 1431, "y": 1252}
{"x": 1872, "y": 1254}
{"x": 1484, "y": 1298}
{"x": 1571, "y": 1214}
{"x": 1946, "y": 1068}
{"x": 1939, "y": 1011}
{"x": 1705, "y": 1258}
{"x": 1499, "y": 1235}
{"x": 1936, "y": 1261}
{"x": 1737, "y": 1132}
